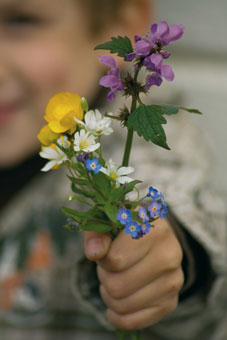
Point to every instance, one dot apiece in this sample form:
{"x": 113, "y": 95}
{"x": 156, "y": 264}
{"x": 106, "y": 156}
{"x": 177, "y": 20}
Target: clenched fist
{"x": 139, "y": 279}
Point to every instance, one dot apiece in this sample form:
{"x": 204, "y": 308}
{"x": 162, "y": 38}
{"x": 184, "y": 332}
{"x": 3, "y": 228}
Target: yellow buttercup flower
{"x": 61, "y": 110}
{"x": 46, "y": 136}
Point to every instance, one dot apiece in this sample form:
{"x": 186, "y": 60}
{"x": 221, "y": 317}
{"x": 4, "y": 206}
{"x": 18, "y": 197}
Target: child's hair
{"x": 102, "y": 12}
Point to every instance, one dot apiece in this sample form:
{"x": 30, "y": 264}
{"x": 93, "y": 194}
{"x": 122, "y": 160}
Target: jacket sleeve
{"x": 183, "y": 175}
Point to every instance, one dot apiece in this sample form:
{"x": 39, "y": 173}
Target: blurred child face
{"x": 45, "y": 47}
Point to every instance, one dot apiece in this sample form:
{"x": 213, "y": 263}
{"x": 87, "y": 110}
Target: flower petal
{"x": 49, "y": 166}
{"x": 92, "y": 148}
{"x": 104, "y": 171}
{"x": 125, "y": 170}
{"x": 143, "y": 47}
{"x": 162, "y": 28}
{"x": 153, "y": 79}
{"x": 156, "y": 59}
{"x": 57, "y": 127}
{"x": 108, "y": 61}
{"x": 111, "y": 96}
{"x": 124, "y": 179}
{"x": 167, "y": 72}
{"x": 109, "y": 81}
{"x": 49, "y": 153}
{"x": 176, "y": 32}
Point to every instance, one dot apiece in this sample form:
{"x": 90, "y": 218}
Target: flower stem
{"x": 135, "y": 335}
{"x": 121, "y": 334}
{"x": 128, "y": 144}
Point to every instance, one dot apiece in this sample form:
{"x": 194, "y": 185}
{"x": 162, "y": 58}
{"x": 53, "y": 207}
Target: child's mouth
{"x": 7, "y": 111}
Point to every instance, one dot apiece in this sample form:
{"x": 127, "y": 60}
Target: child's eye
{"x": 21, "y": 20}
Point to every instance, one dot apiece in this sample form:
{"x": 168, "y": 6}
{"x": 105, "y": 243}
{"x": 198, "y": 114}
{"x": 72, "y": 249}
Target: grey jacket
{"x": 44, "y": 290}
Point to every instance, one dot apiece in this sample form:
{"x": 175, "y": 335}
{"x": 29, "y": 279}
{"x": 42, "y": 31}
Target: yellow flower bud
{"x": 46, "y": 136}
{"x": 61, "y": 110}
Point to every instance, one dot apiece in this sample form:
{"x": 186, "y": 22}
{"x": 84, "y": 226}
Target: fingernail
{"x": 94, "y": 246}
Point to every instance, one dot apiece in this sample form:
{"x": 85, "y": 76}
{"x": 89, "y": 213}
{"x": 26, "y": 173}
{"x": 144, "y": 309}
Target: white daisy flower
{"x": 96, "y": 123}
{"x": 84, "y": 141}
{"x": 55, "y": 155}
{"x": 118, "y": 173}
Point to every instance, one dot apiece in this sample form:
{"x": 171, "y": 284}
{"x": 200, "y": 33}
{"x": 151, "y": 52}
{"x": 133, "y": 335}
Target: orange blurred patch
{"x": 7, "y": 288}
{"x": 41, "y": 254}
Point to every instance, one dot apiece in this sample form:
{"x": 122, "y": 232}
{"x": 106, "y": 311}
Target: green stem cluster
{"x": 128, "y": 144}
{"x": 134, "y": 335}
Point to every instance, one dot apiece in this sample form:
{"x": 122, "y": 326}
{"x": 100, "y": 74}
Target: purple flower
{"x": 164, "y": 208}
{"x": 143, "y": 214}
{"x": 82, "y": 157}
{"x": 143, "y": 47}
{"x": 162, "y": 33}
{"x": 112, "y": 80}
{"x": 153, "y": 79}
{"x": 149, "y": 50}
{"x": 153, "y": 193}
{"x": 145, "y": 227}
{"x": 132, "y": 228}
{"x": 124, "y": 216}
{"x": 154, "y": 63}
{"x": 93, "y": 165}
{"x": 139, "y": 235}
{"x": 154, "y": 209}
{"x": 165, "y": 54}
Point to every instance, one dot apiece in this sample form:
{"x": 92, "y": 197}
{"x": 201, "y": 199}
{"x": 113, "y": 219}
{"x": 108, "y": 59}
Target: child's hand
{"x": 139, "y": 279}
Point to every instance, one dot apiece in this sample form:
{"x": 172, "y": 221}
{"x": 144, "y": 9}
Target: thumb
{"x": 96, "y": 245}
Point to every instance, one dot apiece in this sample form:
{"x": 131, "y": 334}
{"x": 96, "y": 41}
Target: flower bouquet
{"x": 73, "y": 138}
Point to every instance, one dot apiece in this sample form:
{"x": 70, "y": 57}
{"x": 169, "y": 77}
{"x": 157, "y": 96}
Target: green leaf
{"x": 111, "y": 211}
{"x": 79, "y": 216}
{"x": 102, "y": 183}
{"x": 116, "y": 194}
{"x": 120, "y": 45}
{"x": 191, "y": 110}
{"x": 119, "y": 193}
{"x": 82, "y": 192}
{"x": 147, "y": 122}
{"x": 79, "y": 181}
{"x": 169, "y": 109}
{"x": 130, "y": 186}
{"x": 79, "y": 167}
{"x": 101, "y": 227}
{"x": 172, "y": 109}
{"x": 79, "y": 199}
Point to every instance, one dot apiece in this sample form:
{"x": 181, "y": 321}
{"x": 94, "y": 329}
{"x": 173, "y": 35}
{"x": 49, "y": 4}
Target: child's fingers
{"x": 96, "y": 245}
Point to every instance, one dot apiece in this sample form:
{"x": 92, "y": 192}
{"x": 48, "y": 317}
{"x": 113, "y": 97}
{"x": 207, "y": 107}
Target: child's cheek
{"x": 46, "y": 69}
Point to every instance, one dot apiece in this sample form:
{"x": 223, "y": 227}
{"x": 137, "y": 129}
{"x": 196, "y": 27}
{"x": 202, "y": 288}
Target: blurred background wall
{"x": 200, "y": 65}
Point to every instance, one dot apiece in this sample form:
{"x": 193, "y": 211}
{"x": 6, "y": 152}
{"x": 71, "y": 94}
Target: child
{"x": 47, "y": 47}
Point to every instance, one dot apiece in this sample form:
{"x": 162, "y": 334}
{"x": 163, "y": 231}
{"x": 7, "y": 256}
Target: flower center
{"x": 83, "y": 144}
{"x": 113, "y": 175}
